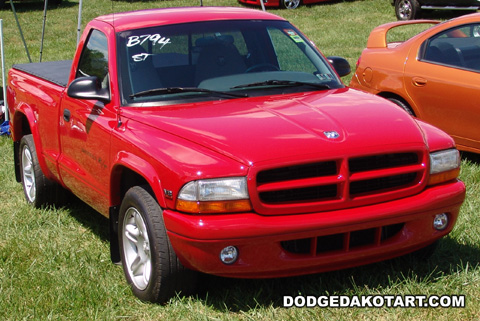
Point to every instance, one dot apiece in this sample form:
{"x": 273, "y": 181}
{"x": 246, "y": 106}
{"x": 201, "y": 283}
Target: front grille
{"x": 341, "y": 180}
{"x": 368, "y": 163}
{"x": 297, "y": 172}
{"x": 301, "y": 194}
{"x": 342, "y": 242}
{"x": 381, "y": 183}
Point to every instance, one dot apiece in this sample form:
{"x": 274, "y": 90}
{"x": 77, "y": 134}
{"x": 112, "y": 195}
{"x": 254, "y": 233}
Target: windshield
{"x": 218, "y": 60}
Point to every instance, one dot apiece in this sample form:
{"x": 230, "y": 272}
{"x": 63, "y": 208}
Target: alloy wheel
{"x": 136, "y": 247}
{"x": 28, "y": 174}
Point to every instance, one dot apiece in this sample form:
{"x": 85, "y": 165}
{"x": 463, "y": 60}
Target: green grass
{"x": 55, "y": 265}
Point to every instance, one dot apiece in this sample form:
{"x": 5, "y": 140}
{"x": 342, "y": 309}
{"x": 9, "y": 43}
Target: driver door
{"x": 85, "y": 127}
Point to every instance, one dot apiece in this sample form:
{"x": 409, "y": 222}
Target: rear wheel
{"x": 403, "y": 105}
{"x": 289, "y": 4}
{"x": 38, "y": 189}
{"x": 407, "y": 9}
{"x": 150, "y": 264}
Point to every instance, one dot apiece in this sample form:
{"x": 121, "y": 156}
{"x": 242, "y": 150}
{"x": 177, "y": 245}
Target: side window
{"x": 457, "y": 47}
{"x": 94, "y": 58}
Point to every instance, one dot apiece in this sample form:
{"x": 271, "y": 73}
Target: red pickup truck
{"x": 220, "y": 140}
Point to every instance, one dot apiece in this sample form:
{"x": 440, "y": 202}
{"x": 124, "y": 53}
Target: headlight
{"x": 220, "y": 195}
{"x": 444, "y": 166}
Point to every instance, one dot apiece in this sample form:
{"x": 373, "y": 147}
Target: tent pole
{"x": 43, "y": 28}
{"x": 263, "y": 5}
{"x": 79, "y": 27}
{"x": 4, "y": 86}
{"x": 21, "y": 33}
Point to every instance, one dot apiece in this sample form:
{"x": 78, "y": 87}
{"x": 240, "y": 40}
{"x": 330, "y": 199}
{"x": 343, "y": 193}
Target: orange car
{"x": 434, "y": 75}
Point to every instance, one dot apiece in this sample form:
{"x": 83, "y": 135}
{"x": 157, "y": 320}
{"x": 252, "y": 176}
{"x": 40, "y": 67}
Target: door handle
{"x": 66, "y": 115}
{"x": 419, "y": 81}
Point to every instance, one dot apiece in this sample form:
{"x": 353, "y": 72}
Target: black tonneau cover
{"x": 53, "y": 71}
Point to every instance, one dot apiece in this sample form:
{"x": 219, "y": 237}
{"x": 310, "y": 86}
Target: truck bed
{"x": 56, "y": 72}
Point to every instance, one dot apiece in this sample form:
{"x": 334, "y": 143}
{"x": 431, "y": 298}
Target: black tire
{"x": 289, "y": 4}
{"x": 404, "y": 105}
{"x": 407, "y": 9}
{"x": 38, "y": 189}
{"x": 150, "y": 264}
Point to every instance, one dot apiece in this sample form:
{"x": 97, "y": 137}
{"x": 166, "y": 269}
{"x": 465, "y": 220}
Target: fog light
{"x": 440, "y": 221}
{"x": 229, "y": 255}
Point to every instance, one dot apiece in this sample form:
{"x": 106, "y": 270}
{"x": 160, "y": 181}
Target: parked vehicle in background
{"x": 286, "y": 4}
{"x": 412, "y": 9}
{"x": 434, "y": 75}
{"x": 220, "y": 140}
{"x": 6, "y": 3}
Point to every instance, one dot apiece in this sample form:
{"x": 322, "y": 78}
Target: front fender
{"x": 435, "y": 138}
{"x": 164, "y": 161}
{"x": 128, "y": 161}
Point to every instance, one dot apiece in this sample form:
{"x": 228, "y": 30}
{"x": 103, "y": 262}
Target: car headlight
{"x": 219, "y": 195}
{"x": 444, "y": 166}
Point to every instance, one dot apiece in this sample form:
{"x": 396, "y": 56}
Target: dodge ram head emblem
{"x": 331, "y": 134}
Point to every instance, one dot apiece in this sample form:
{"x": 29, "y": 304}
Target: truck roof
{"x": 165, "y": 16}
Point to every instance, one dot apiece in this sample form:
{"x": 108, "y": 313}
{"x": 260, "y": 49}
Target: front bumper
{"x": 278, "y": 246}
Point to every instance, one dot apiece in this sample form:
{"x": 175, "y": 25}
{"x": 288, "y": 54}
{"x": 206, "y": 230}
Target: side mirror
{"x": 341, "y": 65}
{"x": 88, "y": 88}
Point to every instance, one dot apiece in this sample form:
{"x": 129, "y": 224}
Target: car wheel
{"x": 403, "y": 105}
{"x": 289, "y": 4}
{"x": 150, "y": 264}
{"x": 407, "y": 9}
{"x": 38, "y": 189}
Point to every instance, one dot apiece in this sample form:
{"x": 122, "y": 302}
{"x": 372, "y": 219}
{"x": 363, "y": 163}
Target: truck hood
{"x": 259, "y": 129}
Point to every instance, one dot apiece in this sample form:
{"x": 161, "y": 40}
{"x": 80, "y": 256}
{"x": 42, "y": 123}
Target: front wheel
{"x": 407, "y": 9}
{"x": 150, "y": 264}
{"x": 289, "y": 4}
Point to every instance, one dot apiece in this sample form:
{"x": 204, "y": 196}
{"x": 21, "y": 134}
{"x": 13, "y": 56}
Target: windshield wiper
{"x": 176, "y": 90}
{"x": 292, "y": 83}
